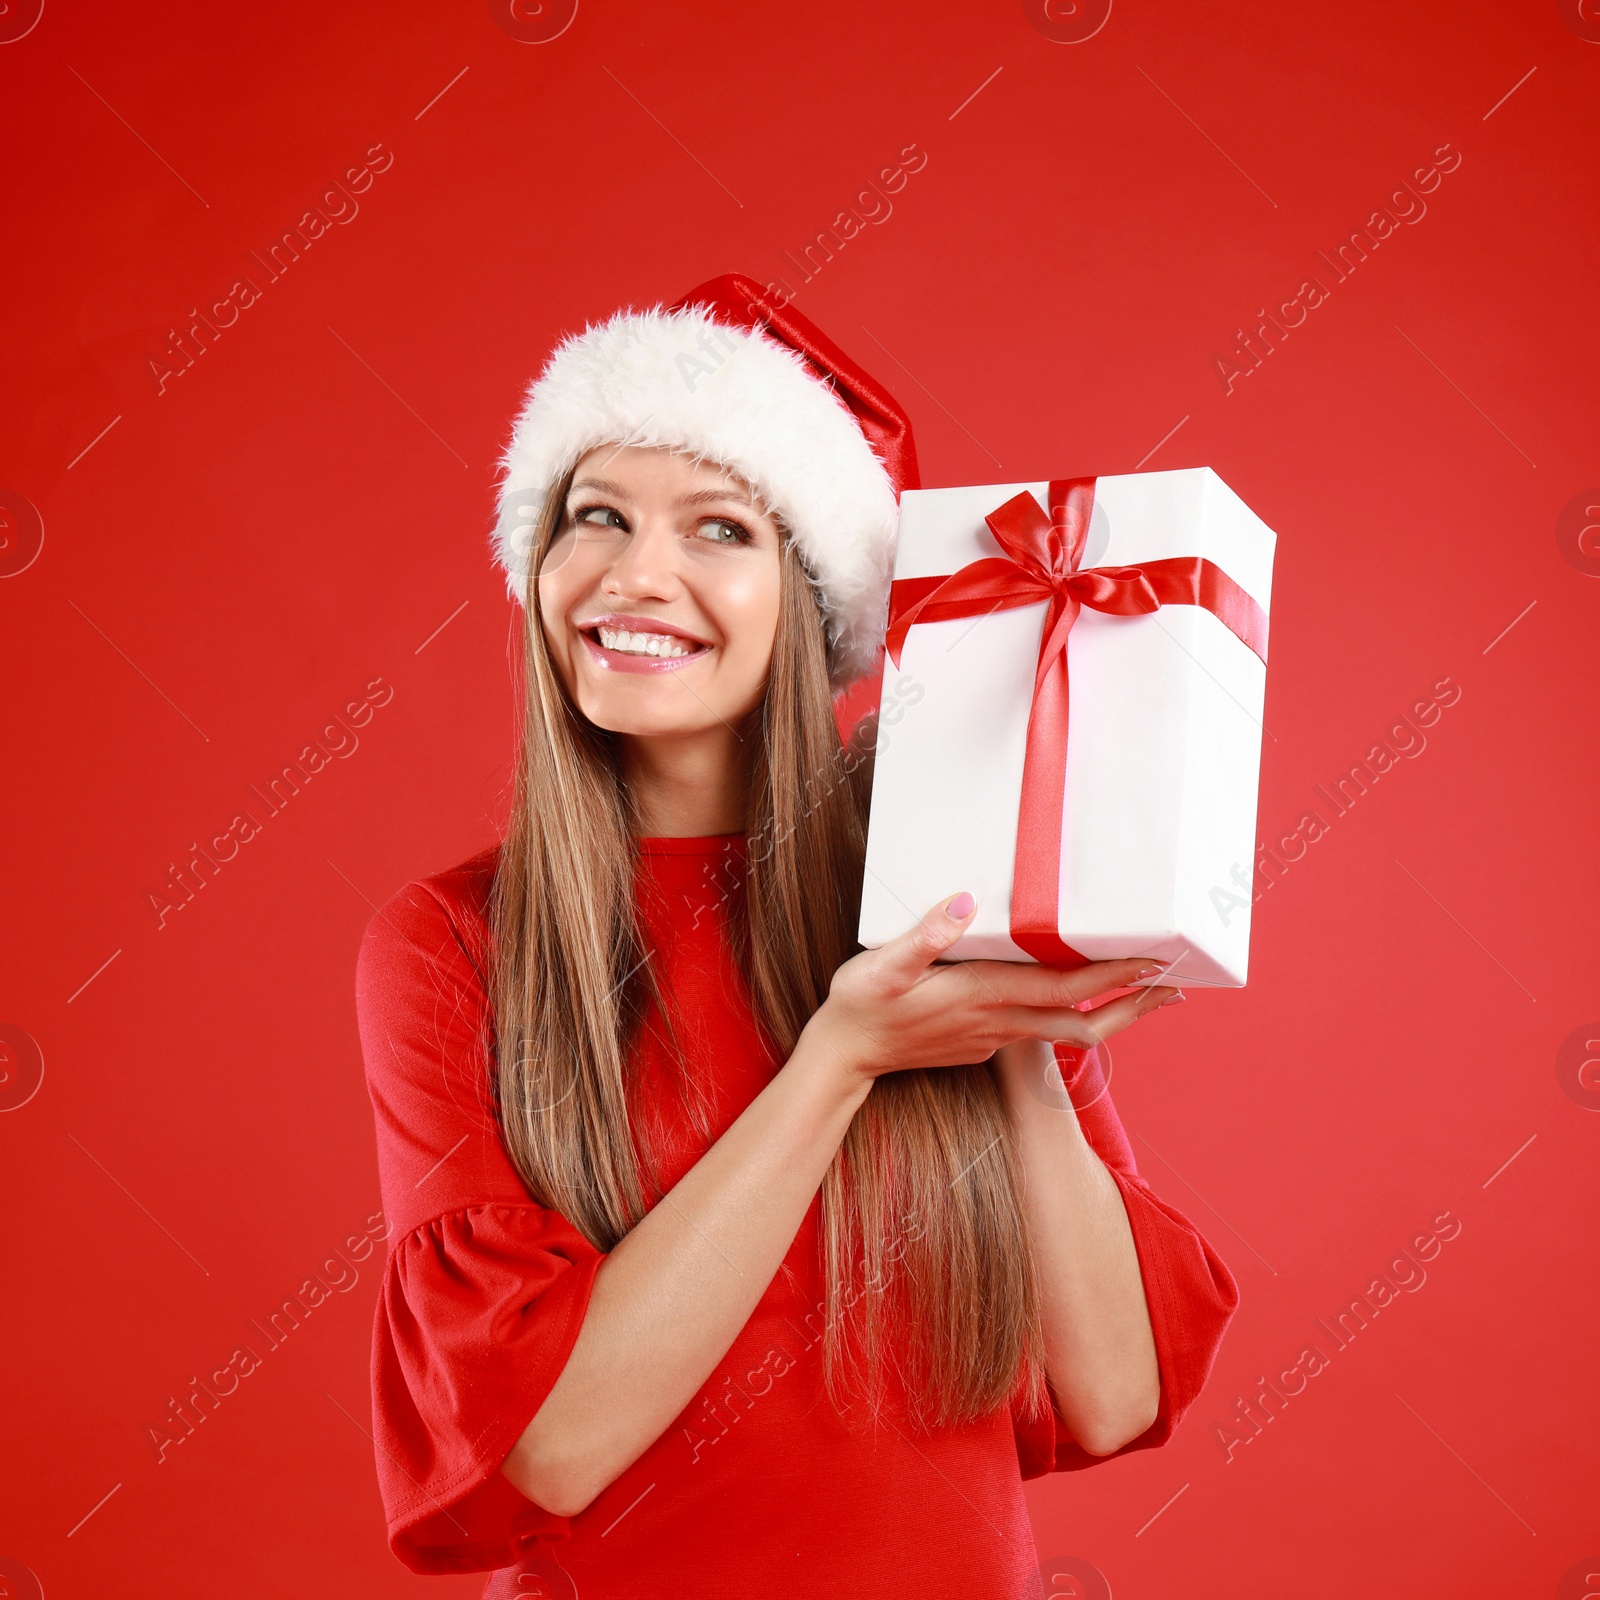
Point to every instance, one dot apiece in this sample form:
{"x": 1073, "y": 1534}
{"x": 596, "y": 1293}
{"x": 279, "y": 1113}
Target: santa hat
{"x": 729, "y": 375}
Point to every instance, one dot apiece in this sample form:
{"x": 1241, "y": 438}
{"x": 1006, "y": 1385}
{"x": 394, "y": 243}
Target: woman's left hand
{"x": 1089, "y": 983}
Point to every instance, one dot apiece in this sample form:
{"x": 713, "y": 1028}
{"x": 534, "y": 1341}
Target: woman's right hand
{"x": 895, "y": 1007}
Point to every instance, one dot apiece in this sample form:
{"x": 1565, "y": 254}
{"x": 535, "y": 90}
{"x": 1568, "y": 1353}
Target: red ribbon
{"x": 1041, "y": 563}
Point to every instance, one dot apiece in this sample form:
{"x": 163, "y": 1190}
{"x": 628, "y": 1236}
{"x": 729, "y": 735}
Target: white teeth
{"x": 643, "y": 644}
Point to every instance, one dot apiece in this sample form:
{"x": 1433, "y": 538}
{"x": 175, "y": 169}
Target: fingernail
{"x": 961, "y": 907}
{"x": 1172, "y": 1000}
{"x": 1148, "y": 972}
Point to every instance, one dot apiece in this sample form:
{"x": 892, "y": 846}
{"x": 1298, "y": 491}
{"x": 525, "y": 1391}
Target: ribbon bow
{"x": 1041, "y": 559}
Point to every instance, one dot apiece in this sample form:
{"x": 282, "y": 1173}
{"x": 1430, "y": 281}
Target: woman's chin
{"x": 648, "y": 713}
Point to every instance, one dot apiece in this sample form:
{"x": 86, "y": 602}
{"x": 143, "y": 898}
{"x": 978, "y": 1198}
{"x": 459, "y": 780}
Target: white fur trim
{"x": 682, "y": 380}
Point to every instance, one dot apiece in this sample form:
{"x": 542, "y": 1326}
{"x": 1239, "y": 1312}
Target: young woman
{"x": 727, "y": 1259}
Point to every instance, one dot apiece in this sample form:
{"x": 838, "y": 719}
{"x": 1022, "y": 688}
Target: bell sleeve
{"x": 484, "y": 1290}
{"x": 1190, "y": 1293}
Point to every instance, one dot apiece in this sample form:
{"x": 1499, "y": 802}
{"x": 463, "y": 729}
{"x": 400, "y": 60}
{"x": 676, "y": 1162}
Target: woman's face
{"x": 658, "y": 594}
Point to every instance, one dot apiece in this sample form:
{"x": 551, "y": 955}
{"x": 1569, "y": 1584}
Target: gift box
{"x": 1070, "y": 722}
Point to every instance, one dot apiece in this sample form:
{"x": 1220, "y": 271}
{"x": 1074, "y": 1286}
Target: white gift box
{"x": 1163, "y": 744}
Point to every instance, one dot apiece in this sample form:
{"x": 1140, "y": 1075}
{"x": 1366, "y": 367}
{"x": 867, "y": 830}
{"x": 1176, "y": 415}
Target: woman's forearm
{"x": 1099, "y": 1349}
{"x": 673, "y": 1295}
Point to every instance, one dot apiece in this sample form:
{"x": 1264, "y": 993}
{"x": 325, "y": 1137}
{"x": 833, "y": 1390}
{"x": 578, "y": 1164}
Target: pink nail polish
{"x": 1147, "y": 972}
{"x": 961, "y": 907}
{"x": 1172, "y": 1000}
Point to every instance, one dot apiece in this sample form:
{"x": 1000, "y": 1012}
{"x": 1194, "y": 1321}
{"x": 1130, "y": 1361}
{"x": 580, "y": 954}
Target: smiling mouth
{"x": 666, "y": 645}
{"x": 613, "y": 648}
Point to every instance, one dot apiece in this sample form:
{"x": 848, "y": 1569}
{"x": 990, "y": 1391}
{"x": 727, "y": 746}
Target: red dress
{"x": 759, "y": 1486}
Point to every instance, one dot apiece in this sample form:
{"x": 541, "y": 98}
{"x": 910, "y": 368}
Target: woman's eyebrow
{"x": 705, "y": 496}
{"x": 699, "y": 497}
{"x": 604, "y": 485}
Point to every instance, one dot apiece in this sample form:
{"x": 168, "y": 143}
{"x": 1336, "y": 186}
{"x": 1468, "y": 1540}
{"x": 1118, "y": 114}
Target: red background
{"x": 306, "y": 508}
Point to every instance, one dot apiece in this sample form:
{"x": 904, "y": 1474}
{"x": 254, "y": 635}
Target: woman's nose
{"x": 647, "y": 564}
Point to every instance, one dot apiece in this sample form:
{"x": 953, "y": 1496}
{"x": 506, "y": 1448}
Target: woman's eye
{"x": 598, "y": 517}
{"x": 719, "y": 531}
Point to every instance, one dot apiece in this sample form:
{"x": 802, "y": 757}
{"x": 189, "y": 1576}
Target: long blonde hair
{"x": 925, "y": 1253}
